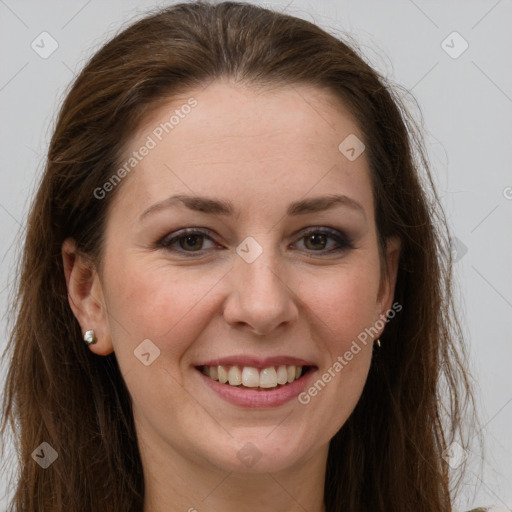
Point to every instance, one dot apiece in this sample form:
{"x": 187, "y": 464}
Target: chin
{"x": 261, "y": 453}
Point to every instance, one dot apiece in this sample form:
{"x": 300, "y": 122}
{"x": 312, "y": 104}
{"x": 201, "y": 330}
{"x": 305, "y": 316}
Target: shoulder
{"x": 480, "y": 509}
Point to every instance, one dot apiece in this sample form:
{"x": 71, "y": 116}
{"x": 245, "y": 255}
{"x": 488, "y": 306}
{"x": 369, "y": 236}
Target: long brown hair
{"x": 388, "y": 456}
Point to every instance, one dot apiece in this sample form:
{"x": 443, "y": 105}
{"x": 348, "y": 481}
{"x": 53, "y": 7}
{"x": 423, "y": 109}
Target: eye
{"x": 317, "y": 240}
{"x": 190, "y": 242}
{"x": 187, "y": 240}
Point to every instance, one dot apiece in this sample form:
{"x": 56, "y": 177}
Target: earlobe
{"x": 85, "y": 296}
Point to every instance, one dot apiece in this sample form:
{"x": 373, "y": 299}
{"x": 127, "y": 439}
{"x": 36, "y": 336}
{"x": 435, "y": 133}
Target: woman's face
{"x": 271, "y": 276}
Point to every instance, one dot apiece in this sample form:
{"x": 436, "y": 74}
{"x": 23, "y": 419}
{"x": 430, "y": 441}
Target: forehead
{"x": 239, "y": 142}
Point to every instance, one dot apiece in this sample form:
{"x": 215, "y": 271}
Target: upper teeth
{"x": 251, "y": 377}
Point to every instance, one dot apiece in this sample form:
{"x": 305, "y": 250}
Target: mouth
{"x": 269, "y": 378}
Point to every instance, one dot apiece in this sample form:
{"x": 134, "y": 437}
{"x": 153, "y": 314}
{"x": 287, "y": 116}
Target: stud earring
{"x": 378, "y": 343}
{"x": 90, "y": 337}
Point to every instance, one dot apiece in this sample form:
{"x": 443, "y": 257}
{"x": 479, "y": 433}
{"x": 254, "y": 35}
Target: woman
{"x": 234, "y": 293}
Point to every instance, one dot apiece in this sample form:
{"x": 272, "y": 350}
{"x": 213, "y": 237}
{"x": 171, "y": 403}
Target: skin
{"x": 261, "y": 150}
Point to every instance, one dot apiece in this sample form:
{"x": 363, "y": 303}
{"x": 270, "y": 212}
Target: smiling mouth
{"x": 249, "y": 377}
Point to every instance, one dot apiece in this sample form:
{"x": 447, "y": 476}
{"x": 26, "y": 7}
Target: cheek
{"x": 163, "y": 301}
{"x": 346, "y": 302}
{"x": 171, "y": 307}
{"x": 341, "y": 312}
{"x": 160, "y": 302}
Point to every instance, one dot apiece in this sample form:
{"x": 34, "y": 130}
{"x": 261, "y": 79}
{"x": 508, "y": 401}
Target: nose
{"x": 260, "y": 300}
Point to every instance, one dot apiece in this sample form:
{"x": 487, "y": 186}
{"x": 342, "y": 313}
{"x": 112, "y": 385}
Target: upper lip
{"x": 257, "y": 362}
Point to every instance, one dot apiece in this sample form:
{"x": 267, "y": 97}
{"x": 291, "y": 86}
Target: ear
{"x": 388, "y": 280}
{"x": 85, "y": 297}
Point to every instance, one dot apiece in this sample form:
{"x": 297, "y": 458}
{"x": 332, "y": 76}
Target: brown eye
{"x": 318, "y": 241}
{"x": 192, "y": 242}
{"x": 325, "y": 241}
{"x": 186, "y": 242}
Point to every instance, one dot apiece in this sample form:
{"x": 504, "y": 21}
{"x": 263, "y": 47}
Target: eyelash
{"x": 341, "y": 239}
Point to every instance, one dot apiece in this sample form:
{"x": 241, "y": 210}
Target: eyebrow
{"x": 222, "y": 207}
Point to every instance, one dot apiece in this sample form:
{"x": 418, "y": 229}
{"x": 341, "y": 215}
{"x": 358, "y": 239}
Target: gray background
{"x": 466, "y": 104}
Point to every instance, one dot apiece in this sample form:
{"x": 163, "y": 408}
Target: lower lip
{"x": 244, "y": 397}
